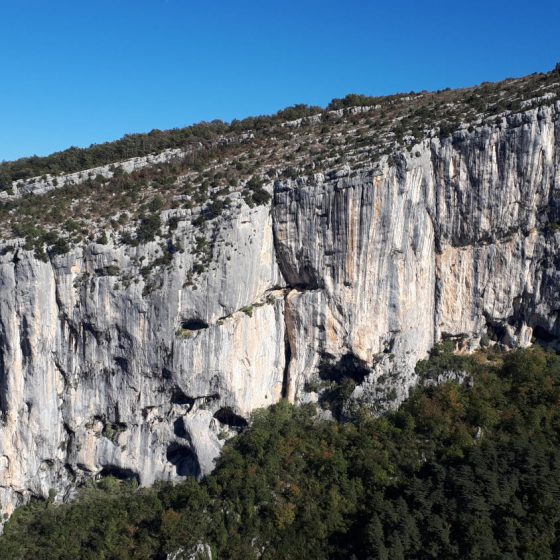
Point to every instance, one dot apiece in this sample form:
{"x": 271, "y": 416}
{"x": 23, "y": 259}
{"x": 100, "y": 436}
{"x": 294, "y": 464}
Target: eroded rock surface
{"x": 107, "y": 370}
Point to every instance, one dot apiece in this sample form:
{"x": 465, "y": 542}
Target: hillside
{"x": 156, "y": 291}
{"x": 112, "y": 186}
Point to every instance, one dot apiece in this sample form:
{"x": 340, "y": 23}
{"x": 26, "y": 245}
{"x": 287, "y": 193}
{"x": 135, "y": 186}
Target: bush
{"x": 257, "y": 195}
{"x": 215, "y": 208}
{"x": 353, "y": 100}
{"x": 59, "y": 247}
{"x": 261, "y": 197}
{"x": 156, "y": 204}
{"x": 149, "y": 228}
{"x": 446, "y": 128}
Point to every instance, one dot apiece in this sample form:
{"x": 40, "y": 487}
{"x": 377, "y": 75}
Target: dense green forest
{"x": 465, "y": 470}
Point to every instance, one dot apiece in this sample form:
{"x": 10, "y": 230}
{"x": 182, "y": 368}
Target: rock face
{"x": 103, "y": 371}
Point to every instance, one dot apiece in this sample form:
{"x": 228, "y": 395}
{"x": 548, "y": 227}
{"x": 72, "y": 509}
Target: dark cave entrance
{"x": 185, "y": 461}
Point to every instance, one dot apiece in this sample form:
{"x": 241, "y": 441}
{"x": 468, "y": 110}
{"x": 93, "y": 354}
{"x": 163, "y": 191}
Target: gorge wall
{"x": 104, "y": 371}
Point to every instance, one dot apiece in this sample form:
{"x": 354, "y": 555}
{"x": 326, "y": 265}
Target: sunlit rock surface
{"x": 105, "y": 371}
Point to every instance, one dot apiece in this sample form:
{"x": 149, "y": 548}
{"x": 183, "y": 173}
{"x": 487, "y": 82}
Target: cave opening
{"x": 184, "y": 459}
{"x": 122, "y": 363}
{"x": 119, "y": 473}
{"x": 348, "y": 367}
{"x": 179, "y": 428}
{"x": 178, "y": 396}
{"x": 496, "y": 331}
{"x": 194, "y": 325}
{"x": 543, "y": 336}
{"x": 226, "y": 416}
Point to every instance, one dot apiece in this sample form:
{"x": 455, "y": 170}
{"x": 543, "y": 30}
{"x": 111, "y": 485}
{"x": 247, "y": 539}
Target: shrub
{"x": 261, "y": 197}
{"x": 156, "y": 204}
{"x": 149, "y": 228}
{"x": 248, "y": 310}
{"x": 59, "y": 247}
{"x": 447, "y": 128}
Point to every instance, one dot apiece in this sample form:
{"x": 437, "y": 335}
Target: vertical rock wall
{"x": 368, "y": 267}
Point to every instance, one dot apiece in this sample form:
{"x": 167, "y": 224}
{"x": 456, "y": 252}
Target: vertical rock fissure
{"x": 287, "y": 356}
{"x": 275, "y": 242}
{"x": 287, "y": 345}
{"x": 3, "y": 383}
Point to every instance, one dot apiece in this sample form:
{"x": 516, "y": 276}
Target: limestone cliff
{"x": 109, "y": 368}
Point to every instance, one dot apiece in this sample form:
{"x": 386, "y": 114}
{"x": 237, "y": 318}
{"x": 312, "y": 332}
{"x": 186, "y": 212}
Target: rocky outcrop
{"x": 116, "y": 361}
{"x": 456, "y": 239}
{"x": 100, "y": 377}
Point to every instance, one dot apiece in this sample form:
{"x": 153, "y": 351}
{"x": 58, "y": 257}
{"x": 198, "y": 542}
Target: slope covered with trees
{"x": 462, "y": 470}
{"x": 219, "y": 167}
{"x": 408, "y": 112}
{"x": 137, "y": 145}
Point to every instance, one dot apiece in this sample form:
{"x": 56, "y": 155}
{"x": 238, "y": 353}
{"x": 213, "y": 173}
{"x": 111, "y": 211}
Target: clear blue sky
{"x": 84, "y": 71}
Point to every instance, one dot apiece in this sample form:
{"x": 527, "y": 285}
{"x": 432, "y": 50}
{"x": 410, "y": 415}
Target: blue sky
{"x": 84, "y": 71}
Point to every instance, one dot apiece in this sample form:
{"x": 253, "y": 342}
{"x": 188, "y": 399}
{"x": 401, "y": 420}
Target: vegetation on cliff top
{"x": 485, "y": 98}
{"x": 467, "y": 470}
{"x": 222, "y": 166}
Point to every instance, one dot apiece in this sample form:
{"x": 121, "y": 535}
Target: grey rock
{"x": 147, "y": 377}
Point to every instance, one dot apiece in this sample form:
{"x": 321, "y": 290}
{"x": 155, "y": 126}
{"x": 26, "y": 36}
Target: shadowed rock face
{"x": 358, "y": 270}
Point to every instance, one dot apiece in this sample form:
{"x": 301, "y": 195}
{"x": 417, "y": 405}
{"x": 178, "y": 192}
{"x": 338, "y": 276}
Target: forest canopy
{"x": 465, "y": 470}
